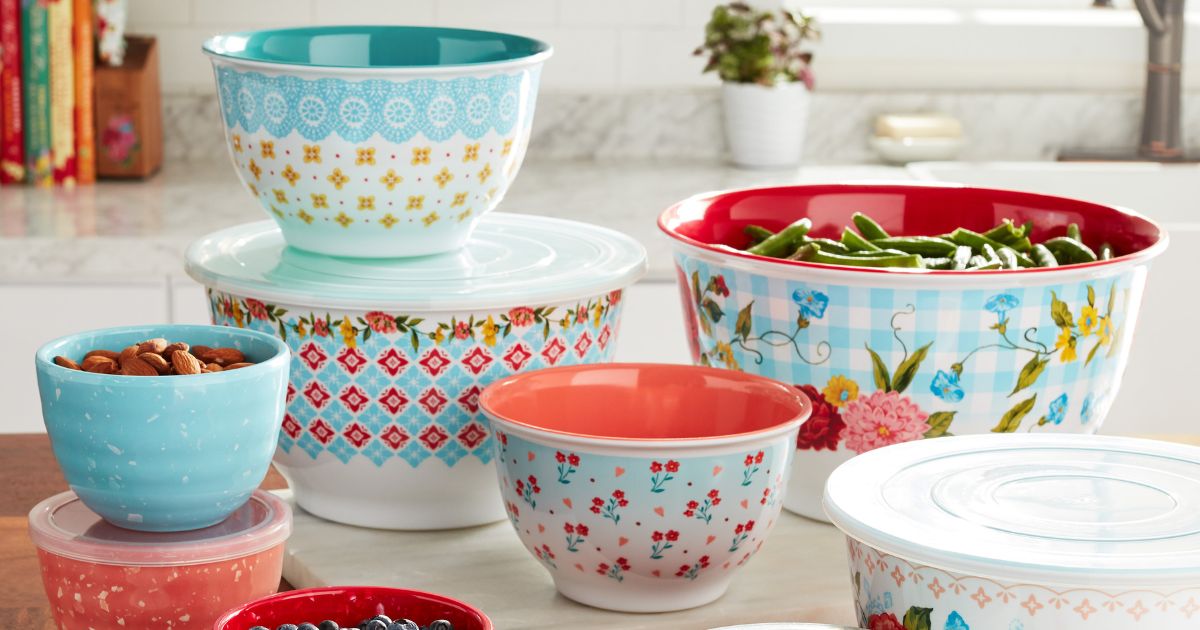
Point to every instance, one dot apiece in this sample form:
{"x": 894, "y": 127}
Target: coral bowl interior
{"x": 349, "y": 605}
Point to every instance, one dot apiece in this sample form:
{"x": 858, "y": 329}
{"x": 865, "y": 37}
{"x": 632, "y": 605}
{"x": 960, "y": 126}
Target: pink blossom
{"x": 881, "y": 419}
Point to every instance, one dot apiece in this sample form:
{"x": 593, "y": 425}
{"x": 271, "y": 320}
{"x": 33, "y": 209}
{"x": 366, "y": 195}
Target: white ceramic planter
{"x": 766, "y": 125}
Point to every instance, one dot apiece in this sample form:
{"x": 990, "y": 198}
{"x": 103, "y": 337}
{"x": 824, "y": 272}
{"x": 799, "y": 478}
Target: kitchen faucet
{"x": 1162, "y": 138}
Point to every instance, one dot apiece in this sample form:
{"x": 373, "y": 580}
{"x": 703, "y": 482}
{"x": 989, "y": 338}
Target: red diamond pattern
{"x": 313, "y": 356}
{"x": 517, "y": 356}
{"x": 583, "y": 343}
{"x": 432, "y": 401}
{"x": 352, "y": 360}
{"x": 291, "y": 393}
{"x": 392, "y": 361}
{"x": 477, "y": 360}
{"x": 395, "y": 437}
{"x": 472, "y": 435}
{"x": 393, "y": 400}
{"x": 321, "y": 430}
{"x": 291, "y": 427}
{"x": 554, "y": 351}
{"x": 354, "y": 398}
{"x": 433, "y": 437}
{"x": 605, "y": 337}
{"x": 469, "y": 399}
{"x": 316, "y": 394}
{"x": 435, "y": 362}
{"x": 356, "y": 434}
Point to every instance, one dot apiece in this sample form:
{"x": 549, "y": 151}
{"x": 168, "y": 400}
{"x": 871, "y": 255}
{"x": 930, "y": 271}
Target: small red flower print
{"x": 693, "y": 505}
{"x": 566, "y": 466}
{"x": 623, "y": 563}
{"x": 703, "y": 512}
{"x": 824, "y": 427}
{"x": 582, "y": 529}
{"x": 656, "y": 467}
{"x": 559, "y": 457}
{"x": 503, "y": 438}
{"x": 721, "y": 289}
{"x": 521, "y": 316}
{"x": 672, "y": 535}
{"x": 609, "y": 508}
{"x": 227, "y": 307}
{"x": 534, "y": 483}
{"x": 380, "y": 322}
{"x": 749, "y": 526}
{"x": 884, "y": 621}
{"x": 656, "y": 536}
{"x": 581, "y": 315}
{"x": 614, "y": 297}
{"x": 575, "y": 535}
{"x": 758, "y": 459}
{"x": 672, "y": 466}
{"x": 749, "y": 460}
{"x": 569, "y": 528}
{"x": 573, "y": 459}
{"x": 320, "y": 327}
{"x": 659, "y": 479}
{"x": 462, "y": 330}
{"x": 257, "y": 309}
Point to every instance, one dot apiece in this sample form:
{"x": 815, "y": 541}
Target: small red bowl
{"x": 349, "y": 605}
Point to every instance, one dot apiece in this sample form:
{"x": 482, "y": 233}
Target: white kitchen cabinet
{"x": 31, "y": 315}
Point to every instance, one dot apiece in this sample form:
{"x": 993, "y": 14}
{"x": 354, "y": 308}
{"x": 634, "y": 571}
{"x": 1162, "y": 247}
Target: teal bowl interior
{"x": 375, "y": 46}
{"x": 164, "y": 453}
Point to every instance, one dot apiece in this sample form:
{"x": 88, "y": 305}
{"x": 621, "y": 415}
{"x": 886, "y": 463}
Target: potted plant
{"x": 767, "y": 77}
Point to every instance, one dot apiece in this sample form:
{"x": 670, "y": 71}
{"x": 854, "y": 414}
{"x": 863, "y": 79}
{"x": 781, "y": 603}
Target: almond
{"x": 156, "y": 361}
{"x": 200, "y": 351}
{"x": 128, "y": 354}
{"x": 213, "y": 367}
{"x": 99, "y": 364}
{"x": 224, "y": 356}
{"x": 237, "y": 366}
{"x": 67, "y": 363}
{"x": 169, "y": 350}
{"x": 134, "y": 366}
{"x": 185, "y": 363}
{"x": 108, "y": 354}
{"x": 156, "y": 345}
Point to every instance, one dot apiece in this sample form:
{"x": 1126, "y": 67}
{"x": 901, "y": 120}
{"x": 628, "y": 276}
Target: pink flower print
{"x": 521, "y": 316}
{"x": 567, "y": 465}
{"x": 513, "y": 511}
{"x": 661, "y": 542}
{"x": 257, "y": 309}
{"x": 608, "y": 509}
{"x": 691, "y": 508}
{"x": 575, "y": 535}
{"x": 702, "y": 511}
{"x": 527, "y": 491}
{"x": 715, "y": 496}
{"x": 581, "y": 314}
{"x": 658, "y": 477}
{"x": 118, "y": 138}
{"x": 740, "y": 534}
{"x": 320, "y": 327}
{"x": 719, "y": 286}
{"x": 380, "y": 322}
{"x": 462, "y": 330}
{"x": 615, "y": 570}
{"x": 766, "y": 497}
{"x": 544, "y": 554}
{"x": 614, "y": 298}
{"x": 693, "y": 571}
{"x": 752, "y": 462}
{"x": 881, "y": 419}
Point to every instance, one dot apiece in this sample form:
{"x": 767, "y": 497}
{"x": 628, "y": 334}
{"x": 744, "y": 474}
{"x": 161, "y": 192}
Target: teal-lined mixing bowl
{"x": 164, "y": 453}
{"x": 377, "y": 141}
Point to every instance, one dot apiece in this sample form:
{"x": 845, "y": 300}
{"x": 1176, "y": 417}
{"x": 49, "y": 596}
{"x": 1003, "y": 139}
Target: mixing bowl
{"x": 892, "y": 355}
{"x": 349, "y": 605}
{"x": 642, "y": 487}
{"x": 376, "y": 141}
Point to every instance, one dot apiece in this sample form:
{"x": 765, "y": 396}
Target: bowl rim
{"x": 44, "y": 359}
{"x": 669, "y": 218}
{"x": 651, "y": 444}
{"x": 212, "y": 47}
{"x": 231, "y": 614}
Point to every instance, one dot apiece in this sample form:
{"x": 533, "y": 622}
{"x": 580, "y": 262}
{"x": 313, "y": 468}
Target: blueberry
{"x": 306, "y": 626}
{"x": 375, "y": 624}
{"x": 441, "y": 624}
{"x": 329, "y": 625}
{"x": 287, "y": 626}
{"x": 384, "y": 618}
{"x": 407, "y": 624}
{"x": 260, "y": 628}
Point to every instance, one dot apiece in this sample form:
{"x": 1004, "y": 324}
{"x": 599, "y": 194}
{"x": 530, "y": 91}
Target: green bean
{"x": 784, "y": 241}
{"x": 995, "y": 264}
{"x": 989, "y": 253}
{"x": 1070, "y": 250}
{"x": 828, "y": 245}
{"x": 804, "y": 252}
{"x": 977, "y": 261}
{"x": 757, "y": 233}
{"x": 924, "y": 245}
{"x": 1005, "y": 233}
{"x": 1043, "y": 256}
{"x": 1021, "y": 245}
{"x": 911, "y": 261}
{"x": 1106, "y": 251}
{"x": 939, "y": 263}
{"x": 1073, "y": 232}
{"x": 856, "y": 243}
{"x": 1009, "y": 258}
{"x": 875, "y": 254}
{"x": 868, "y": 227}
{"x": 962, "y": 257}
{"x": 976, "y": 241}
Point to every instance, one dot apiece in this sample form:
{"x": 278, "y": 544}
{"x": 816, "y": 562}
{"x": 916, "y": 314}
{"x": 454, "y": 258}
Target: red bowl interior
{"x": 902, "y": 210}
{"x": 644, "y": 402}
{"x": 349, "y": 605}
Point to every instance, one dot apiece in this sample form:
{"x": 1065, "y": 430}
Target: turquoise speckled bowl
{"x": 164, "y": 453}
{"x": 377, "y": 141}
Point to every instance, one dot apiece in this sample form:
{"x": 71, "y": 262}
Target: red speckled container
{"x": 348, "y": 605}
{"x": 102, "y": 577}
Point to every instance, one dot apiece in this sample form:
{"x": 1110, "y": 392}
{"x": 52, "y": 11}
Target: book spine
{"x": 35, "y": 59}
{"x": 62, "y": 90}
{"x": 85, "y": 108}
{"x": 12, "y": 120}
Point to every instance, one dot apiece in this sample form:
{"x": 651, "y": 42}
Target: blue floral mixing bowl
{"x": 164, "y": 453}
{"x": 377, "y": 141}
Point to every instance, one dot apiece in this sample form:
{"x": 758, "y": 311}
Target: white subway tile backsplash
{"x": 249, "y": 14}
{"x": 622, "y": 12}
{"x": 184, "y": 68}
{"x": 655, "y": 58}
{"x": 414, "y": 12}
{"x": 584, "y": 58}
{"x": 153, "y": 12}
{"x": 497, "y": 15}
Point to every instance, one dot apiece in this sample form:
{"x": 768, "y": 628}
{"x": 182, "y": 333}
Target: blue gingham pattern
{"x": 956, "y": 321}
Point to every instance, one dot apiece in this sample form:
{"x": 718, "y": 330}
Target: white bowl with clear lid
{"x": 98, "y": 575}
{"x": 383, "y": 427}
{"x": 1036, "y": 532}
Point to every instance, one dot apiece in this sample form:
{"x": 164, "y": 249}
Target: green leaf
{"x": 366, "y": 334}
{"x": 280, "y": 312}
{"x": 1011, "y": 420}
{"x": 1091, "y": 296}
{"x": 416, "y": 342}
{"x": 883, "y": 382}
{"x": 704, "y": 361}
{"x": 282, "y": 331}
{"x": 1060, "y": 312}
{"x": 416, "y": 321}
{"x": 507, "y": 329}
{"x": 1112, "y": 298}
{"x": 696, "y": 287}
{"x": 939, "y": 423}
{"x": 1030, "y": 373}
{"x": 907, "y": 370}
{"x": 546, "y": 330}
{"x": 742, "y": 328}
{"x": 918, "y": 619}
{"x": 1091, "y": 354}
{"x": 712, "y": 309}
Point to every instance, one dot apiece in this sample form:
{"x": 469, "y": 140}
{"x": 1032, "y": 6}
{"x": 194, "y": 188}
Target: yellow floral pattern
{"x": 840, "y": 391}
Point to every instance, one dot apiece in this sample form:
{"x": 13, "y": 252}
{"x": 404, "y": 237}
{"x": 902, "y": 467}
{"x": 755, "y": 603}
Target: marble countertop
{"x": 131, "y": 231}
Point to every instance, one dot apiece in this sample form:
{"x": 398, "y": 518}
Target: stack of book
{"x": 47, "y": 133}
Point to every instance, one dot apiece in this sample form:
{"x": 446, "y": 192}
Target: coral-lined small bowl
{"x": 349, "y": 605}
{"x": 642, "y": 487}
{"x": 891, "y": 355}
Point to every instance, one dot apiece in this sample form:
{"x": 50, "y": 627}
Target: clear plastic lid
{"x": 64, "y": 526}
{"x": 510, "y": 260}
{"x": 1066, "y": 509}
